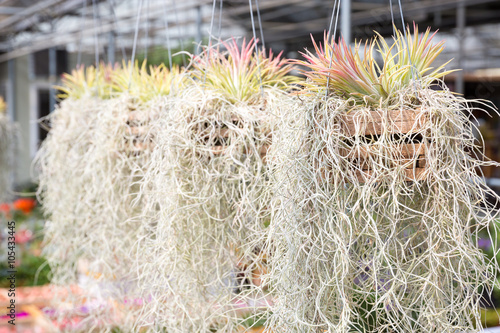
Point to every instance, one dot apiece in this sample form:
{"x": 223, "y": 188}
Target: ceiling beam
{"x": 65, "y": 8}
{"x": 278, "y": 30}
{"x": 10, "y": 10}
{"x": 327, "y": 6}
{"x": 129, "y": 17}
{"x": 288, "y": 10}
{"x": 57, "y": 38}
{"x": 33, "y": 9}
{"x": 245, "y": 9}
{"x": 427, "y": 6}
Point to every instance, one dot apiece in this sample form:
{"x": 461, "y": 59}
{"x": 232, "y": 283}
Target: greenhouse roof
{"x": 89, "y": 25}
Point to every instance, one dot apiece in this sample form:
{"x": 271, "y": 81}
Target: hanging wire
{"x": 96, "y": 35}
{"x": 336, "y": 5}
{"x": 179, "y": 32}
{"x": 412, "y": 68}
{"x": 147, "y": 31}
{"x": 115, "y": 18}
{"x": 392, "y": 19}
{"x": 262, "y": 40}
{"x": 256, "y": 48}
{"x": 336, "y": 22}
{"x": 220, "y": 20}
{"x": 135, "y": 42}
{"x": 209, "y": 39}
{"x": 167, "y": 32}
{"x": 79, "y": 57}
{"x": 211, "y": 24}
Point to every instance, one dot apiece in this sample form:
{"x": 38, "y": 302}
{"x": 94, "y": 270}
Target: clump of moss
{"x": 367, "y": 236}
{"x": 90, "y": 166}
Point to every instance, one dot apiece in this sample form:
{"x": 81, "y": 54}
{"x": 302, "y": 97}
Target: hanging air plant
{"x": 90, "y": 165}
{"x": 6, "y": 142}
{"x": 207, "y": 177}
{"x": 378, "y": 203}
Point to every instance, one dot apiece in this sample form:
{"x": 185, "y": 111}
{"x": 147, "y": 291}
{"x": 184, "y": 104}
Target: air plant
{"x": 347, "y": 72}
{"x": 91, "y": 80}
{"x": 90, "y": 165}
{"x": 146, "y": 82}
{"x": 377, "y": 202}
{"x": 208, "y": 193}
{"x": 238, "y": 74}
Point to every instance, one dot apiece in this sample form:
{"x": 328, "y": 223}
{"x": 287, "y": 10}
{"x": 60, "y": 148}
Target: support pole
{"x": 198, "y": 28}
{"x": 438, "y": 19}
{"x": 459, "y": 81}
{"x": 111, "y": 39}
{"x": 11, "y": 113}
{"x": 11, "y": 92}
{"x": 52, "y": 77}
{"x": 111, "y": 47}
{"x": 345, "y": 20}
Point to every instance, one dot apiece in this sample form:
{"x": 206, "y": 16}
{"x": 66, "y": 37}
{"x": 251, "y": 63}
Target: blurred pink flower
{"x": 5, "y": 208}
{"x": 23, "y": 236}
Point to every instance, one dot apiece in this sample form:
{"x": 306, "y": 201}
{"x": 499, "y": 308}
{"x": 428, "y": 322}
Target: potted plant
{"x": 377, "y": 200}
{"x": 90, "y": 165}
{"x": 208, "y": 190}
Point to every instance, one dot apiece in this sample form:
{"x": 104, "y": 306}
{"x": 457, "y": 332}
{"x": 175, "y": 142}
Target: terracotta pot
{"x": 137, "y": 137}
{"x": 409, "y": 153}
{"x": 255, "y": 273}
{"x": 218, "y": 142}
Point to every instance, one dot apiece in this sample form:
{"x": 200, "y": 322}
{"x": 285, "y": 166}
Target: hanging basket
{"x": 137, "y": 137}
{"x": 252, "y": 269}
{"x": 402, "y": 128}
{"x": 216, "y": 136}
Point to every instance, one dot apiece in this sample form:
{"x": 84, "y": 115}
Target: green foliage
{"x": 26, "y": 273}
{"x": 158, "y": 55}
{"x": 489, "y": 242}
{"x": 490, "y": 317}
{"x": 254, "y": 321}
{"x": 32, "y": 269}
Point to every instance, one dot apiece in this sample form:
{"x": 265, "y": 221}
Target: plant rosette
{"x": 208, "y": 177}
{"x": 377, "y": 200}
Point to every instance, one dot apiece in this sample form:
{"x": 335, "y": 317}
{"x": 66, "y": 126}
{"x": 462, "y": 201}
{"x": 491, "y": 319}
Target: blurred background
{"x": 41, "y": 40}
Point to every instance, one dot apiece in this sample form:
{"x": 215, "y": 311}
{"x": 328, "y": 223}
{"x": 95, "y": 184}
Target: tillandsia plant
{"x": 6, "y": 143}
{"x": 84, "y": 81}
{"x": 378, "y": 203}
{"x": 90, "y": 165}
{"x": 146, "y": 82}
{"x": 346, "y": 72}
{"x": 209, "y": 193}
{"x": 238, "y": 74}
